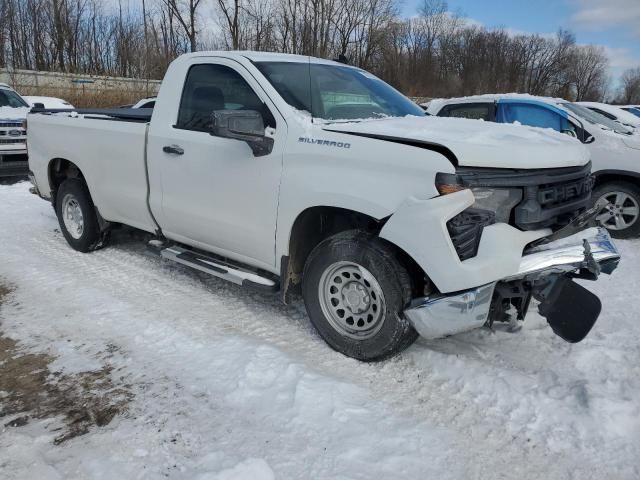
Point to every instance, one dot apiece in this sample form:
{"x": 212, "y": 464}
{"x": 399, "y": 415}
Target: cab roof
{"x": 264, "y": 56}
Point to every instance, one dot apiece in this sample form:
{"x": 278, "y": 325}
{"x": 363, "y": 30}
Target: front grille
{"x": 10, "y": 124}
{"x": 551, "y": 197}
{"x": 5, "y": 133}
{"x": 558, "y": 194}
{"x": 12, "y": 141}
{"x": 553, "y": 205}
{"x": 465, "y": 230}
{"x": 20, "y": 158}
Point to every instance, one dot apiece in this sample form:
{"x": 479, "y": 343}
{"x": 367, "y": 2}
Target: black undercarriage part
{"x": 570, "y": 309}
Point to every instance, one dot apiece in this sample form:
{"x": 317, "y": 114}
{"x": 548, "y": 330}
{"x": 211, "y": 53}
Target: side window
{"x": 150, "y": 104}
{"x": 475, "y": 111}
{"x": 211, "y": 87}
{"x": 531, "y": 115}
{"x": 602, "y": 112}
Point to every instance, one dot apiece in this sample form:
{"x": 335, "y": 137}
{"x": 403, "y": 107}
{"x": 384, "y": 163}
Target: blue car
{"x": 614, "y": 148}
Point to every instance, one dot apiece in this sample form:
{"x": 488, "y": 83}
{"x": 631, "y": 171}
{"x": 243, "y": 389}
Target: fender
{"x": 419, "y": 227}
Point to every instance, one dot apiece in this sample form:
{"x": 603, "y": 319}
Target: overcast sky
{"x": 613, "y": 24}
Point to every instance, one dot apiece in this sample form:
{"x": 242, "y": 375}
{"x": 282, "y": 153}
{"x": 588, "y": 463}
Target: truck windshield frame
{"x": 336, "y": 92}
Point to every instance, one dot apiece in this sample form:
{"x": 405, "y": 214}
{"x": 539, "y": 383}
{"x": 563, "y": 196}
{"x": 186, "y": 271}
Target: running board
{"x": 219, "y": 268}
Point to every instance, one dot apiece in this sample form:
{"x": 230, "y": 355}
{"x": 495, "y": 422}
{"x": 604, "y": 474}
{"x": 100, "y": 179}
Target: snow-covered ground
{"x": 230, "y": 384}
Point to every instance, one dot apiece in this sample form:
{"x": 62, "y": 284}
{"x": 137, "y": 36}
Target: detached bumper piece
{"x": 546, "y": 273}
{"x": 570, "y": 309}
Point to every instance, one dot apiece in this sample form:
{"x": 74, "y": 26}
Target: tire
{"x": 623, "y": 219}
{"x": 77, "y": 216}
{"x": 369, "y": 274}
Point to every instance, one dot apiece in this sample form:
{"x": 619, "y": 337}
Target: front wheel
{"x": 622, "y": 214}
{"x": 77, "y": 216}
{"x": 355, "y": 290}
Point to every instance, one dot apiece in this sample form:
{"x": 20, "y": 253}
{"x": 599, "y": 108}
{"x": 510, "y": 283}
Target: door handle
{"x": 174, "y": 149}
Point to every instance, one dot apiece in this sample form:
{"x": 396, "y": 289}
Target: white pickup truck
{"x": 13, "y": 135}
{"x": 295, "y": 174}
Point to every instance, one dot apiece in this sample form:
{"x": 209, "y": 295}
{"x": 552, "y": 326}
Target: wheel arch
{"x": 315, "y": 224}
{"x": 58, "y": 170}
{"x": 607, "y": 176}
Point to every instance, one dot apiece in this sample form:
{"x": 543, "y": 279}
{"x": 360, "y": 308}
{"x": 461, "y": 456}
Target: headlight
{"x": 448, "y": 183}
{"x": 497, "y": 200}
{"x": 501, "y": 201}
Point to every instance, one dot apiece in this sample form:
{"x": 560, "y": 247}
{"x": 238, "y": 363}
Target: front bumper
{"x": 13, "y": 163}
{"x": 591, "y": 250}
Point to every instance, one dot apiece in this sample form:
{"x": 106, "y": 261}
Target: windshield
{"x": 9, "y": 98}
{"x": 594, "y": 117}
{"x": 334, "y": 92}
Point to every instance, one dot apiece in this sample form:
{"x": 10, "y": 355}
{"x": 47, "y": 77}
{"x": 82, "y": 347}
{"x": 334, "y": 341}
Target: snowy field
{"x": 142, "y": 369}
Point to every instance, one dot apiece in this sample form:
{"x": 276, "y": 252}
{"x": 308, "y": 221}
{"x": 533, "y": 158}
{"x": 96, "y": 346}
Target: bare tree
{"x": 184, "y": 11}
{"x": 435, "y": 53}
{"x": 588, "y": 72}
{"x": 231, "y": 11}
{"x": 630, "y": 89}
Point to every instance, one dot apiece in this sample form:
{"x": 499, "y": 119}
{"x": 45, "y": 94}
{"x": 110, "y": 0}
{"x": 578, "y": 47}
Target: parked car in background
{"x": 635, "y": 109}
{"x": 13, "y": 135}
{"x": 287, "y": 173}
{"x": 149, "y": 102}
{"x": 47, "y": 102}
{"x": 615, "y": 151}
{"x": 614, "y": 113}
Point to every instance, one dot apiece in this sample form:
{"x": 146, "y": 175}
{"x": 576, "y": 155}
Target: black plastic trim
{"x": 621, "y": 173}
{"x": 572, "y": 185}
{"x": 465, "y": 230}
{"x": 503, "y": 177}
{"x": 141, "y": 115}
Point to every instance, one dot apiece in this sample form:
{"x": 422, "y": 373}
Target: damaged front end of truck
{"x": 547, "y": 274}
{"x": 532, "y": 234}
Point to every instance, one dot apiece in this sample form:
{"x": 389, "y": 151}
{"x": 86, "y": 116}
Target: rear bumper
{"x": 435, "y": 317}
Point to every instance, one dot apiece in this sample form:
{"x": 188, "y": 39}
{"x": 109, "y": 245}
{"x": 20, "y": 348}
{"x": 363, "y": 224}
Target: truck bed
{"x": 110, "y": 154}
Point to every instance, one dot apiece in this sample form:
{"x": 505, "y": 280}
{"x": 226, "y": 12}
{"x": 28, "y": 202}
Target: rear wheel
{"x": 621, "y": 201}
{"x": 355, "y": 290}
{"x": 77, "y": 216}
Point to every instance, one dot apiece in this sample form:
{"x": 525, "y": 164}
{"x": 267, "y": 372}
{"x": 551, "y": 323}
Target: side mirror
{"x": 245, "y": 125}
{"x": 38, "y": 105}
{"x": 590, "y": 139}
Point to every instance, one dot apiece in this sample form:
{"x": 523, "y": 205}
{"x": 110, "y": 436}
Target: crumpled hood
{"x": 11, "y": 113}
{"x": 477, "y": 143}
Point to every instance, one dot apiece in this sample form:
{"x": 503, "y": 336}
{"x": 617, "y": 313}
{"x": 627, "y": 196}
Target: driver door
{"x": 215, "y": 194}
